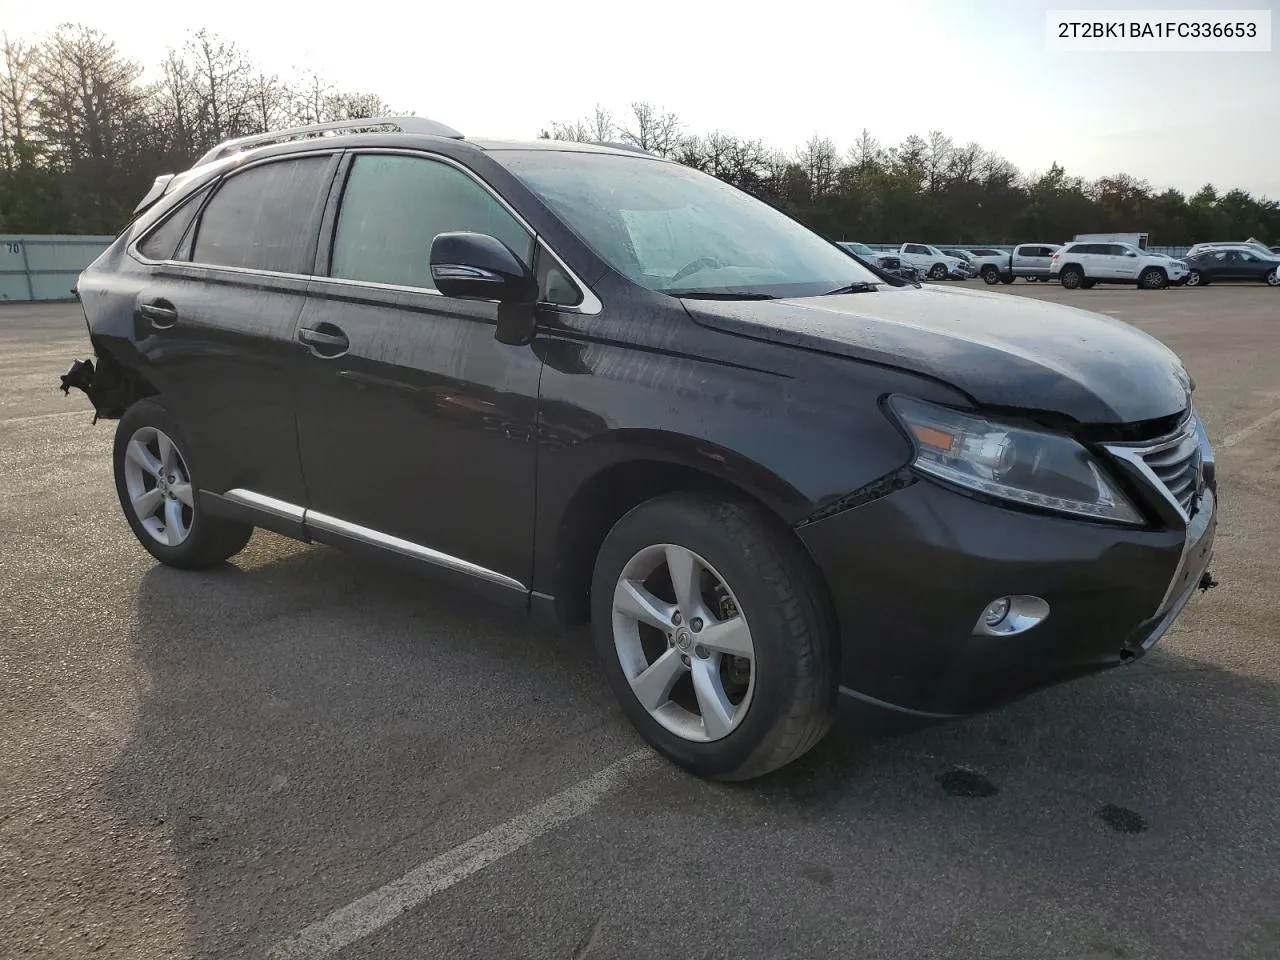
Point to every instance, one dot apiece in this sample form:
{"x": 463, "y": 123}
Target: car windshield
{"x": 673, "y": 229}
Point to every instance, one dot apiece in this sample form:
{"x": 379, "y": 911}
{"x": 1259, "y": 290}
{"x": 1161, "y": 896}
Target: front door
{"x": 416, "y": 426}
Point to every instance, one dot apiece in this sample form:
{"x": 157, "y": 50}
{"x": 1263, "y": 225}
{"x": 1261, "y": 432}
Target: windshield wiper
{"x": 718, "y": 295}
{"x": 861, "y": 286}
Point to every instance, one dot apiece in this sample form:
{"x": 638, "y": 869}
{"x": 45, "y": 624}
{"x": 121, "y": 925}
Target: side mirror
{"x": 476, "y": 266}
{"x": 1130, "y": 253}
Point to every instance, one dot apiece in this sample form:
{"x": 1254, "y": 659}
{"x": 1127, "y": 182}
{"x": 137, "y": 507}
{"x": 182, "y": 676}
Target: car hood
{"x": 1001, "y": 350}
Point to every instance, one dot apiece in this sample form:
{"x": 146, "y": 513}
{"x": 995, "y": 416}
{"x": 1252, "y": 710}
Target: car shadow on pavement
{"x": 315, "y": 725}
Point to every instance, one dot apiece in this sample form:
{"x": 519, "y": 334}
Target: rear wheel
{"x": 990, "y": 274}
{"x": 1071, "y": 277}
{"x": 713, "y": 634}
{"x": 1007, "y": 278}
{"x": 1153, "y": 278}
{"x": 159, "y": 493}
{"x": 1087, "y": 284}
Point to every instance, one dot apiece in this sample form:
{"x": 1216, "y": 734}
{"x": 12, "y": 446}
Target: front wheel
{"x": 160, "y": 496}
{"x": 938, "y": 271}
{"x": 714, "y": 635}
{"x": 1273, "y": 278}
{"x": 1153, "y": 278}
{"x": 990, "y": 274}
{"x": 1196, "y": 279}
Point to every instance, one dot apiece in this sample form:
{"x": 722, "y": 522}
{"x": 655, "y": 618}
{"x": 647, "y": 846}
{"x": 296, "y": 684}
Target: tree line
{"x": 932, "y": 189}
{"x": 84, "y": 131}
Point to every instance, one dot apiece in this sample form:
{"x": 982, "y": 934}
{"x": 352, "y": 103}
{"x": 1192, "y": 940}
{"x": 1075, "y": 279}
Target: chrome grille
{"x": 1177, "y": 465}
{"x": 1173, "y": 464}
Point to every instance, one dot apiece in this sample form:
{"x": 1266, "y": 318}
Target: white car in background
{"x": 932, "y": 262}
{"x": 1081, "y": 265}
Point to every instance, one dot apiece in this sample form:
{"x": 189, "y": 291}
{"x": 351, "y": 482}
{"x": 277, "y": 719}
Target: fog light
{"x": 1007, "y": 616}
{"x": 996, "y": 611}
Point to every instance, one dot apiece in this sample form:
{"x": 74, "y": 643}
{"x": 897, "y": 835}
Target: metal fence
{"x": 45, "y": 267}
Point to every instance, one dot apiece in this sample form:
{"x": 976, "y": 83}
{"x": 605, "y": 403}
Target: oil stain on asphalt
{"x": 1121, "y": 819}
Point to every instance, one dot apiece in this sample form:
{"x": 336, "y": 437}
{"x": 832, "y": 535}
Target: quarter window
{"x": 262, "y": 218}
{"x": 395, "y": 206}
{"x": 162, "y": 242}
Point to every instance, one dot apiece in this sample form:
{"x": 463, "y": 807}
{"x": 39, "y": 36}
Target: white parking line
{"x": 87, "y": 414}
{"x": 1245, "y": 432}
{"x": 375, "y": 910}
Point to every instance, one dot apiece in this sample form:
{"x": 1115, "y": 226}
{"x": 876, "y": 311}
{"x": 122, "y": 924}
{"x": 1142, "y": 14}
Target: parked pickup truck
{"x": 932, "y": 262}
{"x": 1029, "y": 260}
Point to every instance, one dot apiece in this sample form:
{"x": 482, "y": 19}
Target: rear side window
{"x": 395, "y": 206}
{"x": 262, "y": 218}
{"x": 162, "y": 242}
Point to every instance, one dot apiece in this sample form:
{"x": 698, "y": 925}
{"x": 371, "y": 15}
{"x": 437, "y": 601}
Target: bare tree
{"x": 819, "y": 160}
{"x": 176, "y": 106}
{"x": 652, "y": 129}
{"x": 18, "y": 63}
{"x": 223, "y": 79}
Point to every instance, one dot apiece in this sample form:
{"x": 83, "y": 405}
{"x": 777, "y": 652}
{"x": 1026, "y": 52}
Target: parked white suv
{"x": 932, "y": 262}
{"x": 1081, "y": 265}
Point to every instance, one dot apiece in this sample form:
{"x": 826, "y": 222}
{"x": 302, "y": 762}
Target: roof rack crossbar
{"x": 421, "y": 125}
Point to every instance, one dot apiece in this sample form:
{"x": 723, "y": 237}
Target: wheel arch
{"x": 643, "y": 473}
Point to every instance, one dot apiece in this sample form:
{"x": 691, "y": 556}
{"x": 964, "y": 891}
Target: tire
{"x": 1273, "y": 278}
{"x": 991, "y": 274}
{"x": 1088, "y": 284}
{"x": 1071, "y": 277}
{"x": 786, "y": 693}
{"x": 1197, "y": 279}
{"x": 938, "y": 271}
{"x": 1007, "y": 278}
{"x": 176, "y": 530}
{"x": 1153, "y": 278}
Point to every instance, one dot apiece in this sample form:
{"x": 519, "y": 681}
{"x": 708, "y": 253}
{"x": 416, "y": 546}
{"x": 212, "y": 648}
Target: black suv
{"x": 605, "y": 386}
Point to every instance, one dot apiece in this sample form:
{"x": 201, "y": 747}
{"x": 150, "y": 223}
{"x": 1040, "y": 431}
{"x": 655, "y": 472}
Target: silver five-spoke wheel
{"x": 159, "y": 486}
{"x": 683, "y": 642}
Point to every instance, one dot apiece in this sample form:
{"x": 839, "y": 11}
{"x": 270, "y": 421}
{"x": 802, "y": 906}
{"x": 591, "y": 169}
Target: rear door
{"x": 219, "y": 315}
{"x": 416, "y": 426}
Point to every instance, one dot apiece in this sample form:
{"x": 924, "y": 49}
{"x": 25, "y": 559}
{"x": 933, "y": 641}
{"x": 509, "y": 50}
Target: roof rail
{"x": 398, "y": 124}
{"x": 620, "y": 145}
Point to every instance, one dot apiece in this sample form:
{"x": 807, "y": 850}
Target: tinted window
{"x": 163, "y": 240}
{"x": 1117, "y": 249}
{"x": 262, "y": 218}
{"x": 916, "y": 248}
{"x": 395, "y": 206}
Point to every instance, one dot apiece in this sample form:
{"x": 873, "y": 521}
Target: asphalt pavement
{"x": 306, "y": 754}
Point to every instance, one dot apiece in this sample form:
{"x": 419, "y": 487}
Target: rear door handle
{"x": 325, "y": 340}
{"x": 161, "y": 313}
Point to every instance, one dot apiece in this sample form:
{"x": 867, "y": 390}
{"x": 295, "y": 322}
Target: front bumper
{"x": 911, "y": 573}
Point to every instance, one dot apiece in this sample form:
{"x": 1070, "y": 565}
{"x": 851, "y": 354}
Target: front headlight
{"x": 1028, "y": 466}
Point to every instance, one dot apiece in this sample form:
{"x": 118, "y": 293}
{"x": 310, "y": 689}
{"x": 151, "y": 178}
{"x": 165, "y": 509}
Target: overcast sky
{"x": 975, "y": 69}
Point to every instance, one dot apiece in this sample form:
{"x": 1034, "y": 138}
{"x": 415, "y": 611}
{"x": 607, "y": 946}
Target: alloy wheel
{"x": 683, "y": 642}
{"x": 1193, "y": 279}
{"x": 159, "y": 486}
